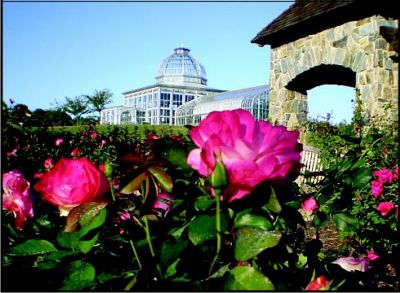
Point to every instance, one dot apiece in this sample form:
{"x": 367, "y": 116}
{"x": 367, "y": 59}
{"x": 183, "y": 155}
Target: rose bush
{"x": 162, "y": 227}
{"x": 72, "y": 182}
{"x": 251, "y": 151}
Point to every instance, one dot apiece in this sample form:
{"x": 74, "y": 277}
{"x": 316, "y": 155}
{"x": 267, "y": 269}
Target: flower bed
{"x": 105, "y": 211}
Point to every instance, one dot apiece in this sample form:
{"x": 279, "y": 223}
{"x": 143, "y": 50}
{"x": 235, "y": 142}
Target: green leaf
{"x": 73, "y": 240}
{"x": 273, "y": 203}
{"x": 171, "y": 270}
{"x": 203, "y": 202}
{"x": 174, "y": 154}
{"x": 346, "y": 223}
{"x": 83, "y": 214}
{"x": 81, "y": 275}
{"x": 247, "y": 278}
{"x": 252, "y": 241}
{"x": 202, "y": 228}
{"x": 32, "y": 247}
{"x": 221, "y": 272}
{"x": 171, "y": 250}
{"x": 250, "y": 220}
{"x": 162, "y": 178}
{"x": 177, "y": 232}
{"x": 362, "y": 178}
{"x": 320, "y": 219}
{"x": 134, "y": 184}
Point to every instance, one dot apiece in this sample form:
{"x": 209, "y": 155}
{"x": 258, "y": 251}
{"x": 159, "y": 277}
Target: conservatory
{"x": 254, "y": 100}
{"x": 180, "y": 79}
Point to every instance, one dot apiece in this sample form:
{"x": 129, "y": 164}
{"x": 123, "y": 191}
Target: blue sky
{"x": 57, "y": 50}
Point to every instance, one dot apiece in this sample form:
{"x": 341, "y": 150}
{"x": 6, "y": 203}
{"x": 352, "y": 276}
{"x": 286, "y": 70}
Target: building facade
{"x": 180, "y": 79}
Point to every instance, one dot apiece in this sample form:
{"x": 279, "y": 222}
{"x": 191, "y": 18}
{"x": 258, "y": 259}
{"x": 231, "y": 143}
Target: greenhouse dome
{"x": 181, "y": 68}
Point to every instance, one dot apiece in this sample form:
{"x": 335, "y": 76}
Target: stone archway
{"x": 332, "y": 45}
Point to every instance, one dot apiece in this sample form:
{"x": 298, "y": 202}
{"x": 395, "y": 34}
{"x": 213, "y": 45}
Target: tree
{"x": 76, "y": 107}
{"x": 47, "y": 118}
{"x": 99, "y": 100}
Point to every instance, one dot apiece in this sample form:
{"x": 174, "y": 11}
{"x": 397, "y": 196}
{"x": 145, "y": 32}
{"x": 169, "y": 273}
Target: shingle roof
{"x": 307, "y": 17}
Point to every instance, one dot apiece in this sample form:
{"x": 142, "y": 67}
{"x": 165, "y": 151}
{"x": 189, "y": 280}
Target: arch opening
{"x": 320, "y": 75}
{"x": 331, "y": 103}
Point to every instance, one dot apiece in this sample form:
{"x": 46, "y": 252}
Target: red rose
{"x": 72, "y": 182}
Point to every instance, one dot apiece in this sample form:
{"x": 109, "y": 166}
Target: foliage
{"x": 77, "y": 107}
{"x": 99, "y": 99}
{"x": 164, "y": 229}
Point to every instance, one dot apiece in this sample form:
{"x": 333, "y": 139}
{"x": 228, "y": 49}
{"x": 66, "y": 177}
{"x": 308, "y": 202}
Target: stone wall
{"x": 356, "y": 45}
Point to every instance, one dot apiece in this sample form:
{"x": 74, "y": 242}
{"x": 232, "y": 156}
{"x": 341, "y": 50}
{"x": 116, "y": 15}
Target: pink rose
{"x": 103, "y": 142}
{"x": 353, "y": 264}
{"x": 93, "y": 134}
{"x": 48, "y": 163}
{"x": 310, "y": 205}
{"x": 72, "y": 182}
{"x": 385, "y": 207}
{"x": 384, "y": 175}
{"x": 59, "y": 141}
{"x": 16, "y": 197}
{"x": 318, "y": 284}
{"x": 376, "y": 188}
{"x": 372, "y": 255}
{"x": 251, "y": 151}
{"x": 75, "y": 152}
{"x": 163, "y": 203}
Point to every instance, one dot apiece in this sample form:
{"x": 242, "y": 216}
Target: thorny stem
{"x": 218, "y": 228}
{"x": 136, "y": 254}
{"x": 148, "y": 239}
{"x": 114, "y": 198}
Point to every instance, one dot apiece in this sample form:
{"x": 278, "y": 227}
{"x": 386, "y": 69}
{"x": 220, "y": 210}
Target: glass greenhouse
{"x": 181, "y": 96}
{"x": 254, "y": 100}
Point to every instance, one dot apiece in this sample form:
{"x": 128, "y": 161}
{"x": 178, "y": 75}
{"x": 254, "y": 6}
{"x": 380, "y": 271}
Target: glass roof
{"x": 236, "y": 94}
{"x": 181, "y": 68}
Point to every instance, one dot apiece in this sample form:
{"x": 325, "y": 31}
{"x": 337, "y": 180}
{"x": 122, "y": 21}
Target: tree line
{"x": 83, "y": 109}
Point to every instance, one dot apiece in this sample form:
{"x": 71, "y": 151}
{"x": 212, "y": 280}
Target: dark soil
{"x": 329, "y": 235}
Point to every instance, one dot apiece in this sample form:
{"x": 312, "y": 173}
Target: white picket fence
{"x": 310, "y": 160}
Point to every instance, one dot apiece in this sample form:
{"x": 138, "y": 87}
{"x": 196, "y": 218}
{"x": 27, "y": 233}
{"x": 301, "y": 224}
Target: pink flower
{"x": 251, "y": 151}
{"x": 310, "y": 205}
{"x": 12, "y": 153}
{"x": 372, "y": 255}
{"x": 72, "y": 182}
{"x": 376, "y": 188}
{"x": 16, "y": 197}
{"x": 163, "y": 203}
{"x": 38, "y": 175}
{"x": 384, "y": 175}
{"x": 103, "y": 142}
{"x": 59, "y": 141}
{"x": 125, "y": 216}
{"x": 48, "y": 163}
{"x": 396, "y": 173}
{"x": 75, "y": 152}
{"x": 385, "y": 207}
{"x": 93, "y": 134}
{"x": 318, "y": 284}
{"x": 353, "y": 264}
